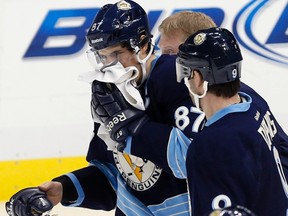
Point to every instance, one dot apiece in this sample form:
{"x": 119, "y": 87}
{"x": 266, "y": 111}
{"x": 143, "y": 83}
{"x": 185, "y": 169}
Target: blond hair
{"x": 188, "y": 22}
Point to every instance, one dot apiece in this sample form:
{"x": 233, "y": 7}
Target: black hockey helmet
{"x": 119, "y": 22}
{"x": 214, "y": 52}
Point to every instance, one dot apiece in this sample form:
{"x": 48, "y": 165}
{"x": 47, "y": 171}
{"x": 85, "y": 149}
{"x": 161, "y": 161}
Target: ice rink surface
{"x": 60, "y": 210}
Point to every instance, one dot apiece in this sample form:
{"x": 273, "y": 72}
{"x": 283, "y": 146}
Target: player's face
{"x": 169, "y": 44}
{"x": 113, "y": 54}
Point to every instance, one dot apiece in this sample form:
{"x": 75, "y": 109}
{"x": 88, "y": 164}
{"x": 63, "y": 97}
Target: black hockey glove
{"x": 28, "y": 202}
{"x": 119, "y": 117}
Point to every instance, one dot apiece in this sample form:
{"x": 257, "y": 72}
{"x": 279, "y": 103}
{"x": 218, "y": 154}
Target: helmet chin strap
{"x": 143, "y": 62}
{"x": 196, "y": 97}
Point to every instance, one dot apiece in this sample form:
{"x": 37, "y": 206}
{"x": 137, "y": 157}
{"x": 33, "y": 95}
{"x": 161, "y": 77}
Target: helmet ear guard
{"x": 214, "y": 52}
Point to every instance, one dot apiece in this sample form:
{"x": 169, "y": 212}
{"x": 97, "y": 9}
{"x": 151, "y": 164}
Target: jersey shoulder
{"x": 231, "y": 129}
{"x": 162, "y": 79}
{"x": 164, "y": 69}
{"x": 256, "y": 97}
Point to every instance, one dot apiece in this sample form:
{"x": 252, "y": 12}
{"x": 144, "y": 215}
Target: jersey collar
{"x": 240, "y": 107}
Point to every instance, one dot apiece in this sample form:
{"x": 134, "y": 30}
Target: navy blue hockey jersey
{"x": 282, "y": 145}
{"x": 234, "y": 160}
{"x": 142, "y": 187}
{"x": 250, "y": 174}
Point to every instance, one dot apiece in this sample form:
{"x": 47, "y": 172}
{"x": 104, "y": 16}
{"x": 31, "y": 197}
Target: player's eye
{"x": 100, "y": 61}
{"x": 107, "y": 59}
{"x": 102, "y": 58}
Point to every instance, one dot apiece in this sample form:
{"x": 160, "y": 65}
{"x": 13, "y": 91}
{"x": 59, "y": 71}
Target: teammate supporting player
{"x": 235, "y": 159}
{"x": 176, "y": 28}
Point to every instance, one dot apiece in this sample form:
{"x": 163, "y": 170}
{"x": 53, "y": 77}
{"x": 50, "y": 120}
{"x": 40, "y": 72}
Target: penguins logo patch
{"x": 140, "y": 174}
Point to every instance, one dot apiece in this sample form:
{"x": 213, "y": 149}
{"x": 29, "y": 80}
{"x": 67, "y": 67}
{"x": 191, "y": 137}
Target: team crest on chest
{"x": 140, "y": 174}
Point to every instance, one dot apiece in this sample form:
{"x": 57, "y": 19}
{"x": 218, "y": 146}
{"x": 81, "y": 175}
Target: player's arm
{"x": 164, "y": 145}
{"x": 89, "y": 187}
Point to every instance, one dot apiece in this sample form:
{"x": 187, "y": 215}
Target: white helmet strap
{"x": 196, "y": 97}
{"x": 143, "y": 61}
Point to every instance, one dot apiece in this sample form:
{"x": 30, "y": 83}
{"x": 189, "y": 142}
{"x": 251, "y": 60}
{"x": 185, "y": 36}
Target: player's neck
{"x": 211, "y": 103}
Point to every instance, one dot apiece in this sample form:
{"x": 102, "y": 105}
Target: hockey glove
{"x": 28, "y": 202}
{"x": 119, "y": 117}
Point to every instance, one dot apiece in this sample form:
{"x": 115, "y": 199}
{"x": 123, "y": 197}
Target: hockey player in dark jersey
{"x": 234, "y": 160}
{"x": 120, "y": 42}
{"x": 176, "y": 28}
